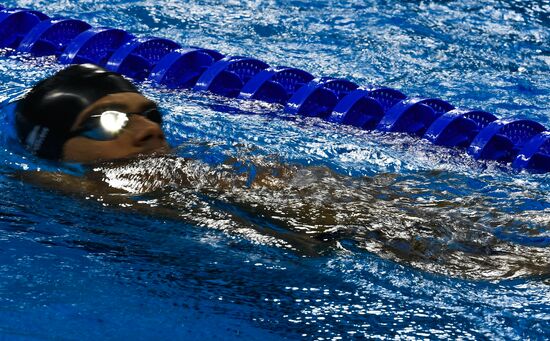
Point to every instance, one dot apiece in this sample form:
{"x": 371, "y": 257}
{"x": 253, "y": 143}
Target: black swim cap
{"x": 44, "y": 117}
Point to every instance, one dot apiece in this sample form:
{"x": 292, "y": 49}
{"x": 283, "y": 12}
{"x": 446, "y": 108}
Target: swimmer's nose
{"x": 148, "y": 134}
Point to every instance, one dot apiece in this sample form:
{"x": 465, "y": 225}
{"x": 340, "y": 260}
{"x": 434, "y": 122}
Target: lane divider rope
{"x": 523, "y": 143}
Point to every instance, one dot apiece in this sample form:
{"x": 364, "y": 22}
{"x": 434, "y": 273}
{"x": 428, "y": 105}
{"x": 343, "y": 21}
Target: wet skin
{"x": 309, "y": 209}
{"x": 140, "y": 136}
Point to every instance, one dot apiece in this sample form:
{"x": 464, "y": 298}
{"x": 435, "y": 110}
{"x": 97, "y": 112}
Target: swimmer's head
{"x": 85, "y": 114}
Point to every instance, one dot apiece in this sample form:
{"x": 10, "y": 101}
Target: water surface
{"x": 421, "y": 242}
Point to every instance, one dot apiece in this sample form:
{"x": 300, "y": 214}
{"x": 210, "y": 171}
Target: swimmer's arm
{"x": 80, "y": 187}
{"x": 64, "y": 183}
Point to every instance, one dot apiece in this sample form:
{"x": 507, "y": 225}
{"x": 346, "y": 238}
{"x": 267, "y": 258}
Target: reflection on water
{"x": 434, "y": 221}
{"x": 110, "y": 272}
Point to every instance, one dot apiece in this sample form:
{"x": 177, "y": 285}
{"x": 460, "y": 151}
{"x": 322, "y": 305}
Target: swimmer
{"x": 87, "y": 115}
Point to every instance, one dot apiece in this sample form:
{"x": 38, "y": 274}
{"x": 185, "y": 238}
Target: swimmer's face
{"x": 139, "y": 136}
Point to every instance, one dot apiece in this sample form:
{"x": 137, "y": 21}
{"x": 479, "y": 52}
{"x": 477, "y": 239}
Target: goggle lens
{"x": 113, "y": 121}
{"x": 107, "y": 125}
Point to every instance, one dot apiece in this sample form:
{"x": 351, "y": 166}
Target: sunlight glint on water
{"x": 432, "y": 219}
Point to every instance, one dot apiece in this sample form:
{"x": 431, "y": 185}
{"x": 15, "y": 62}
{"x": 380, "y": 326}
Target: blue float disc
{"x": 458, "y": 127}
{"x": 8, "y": 11}
{"x": 318, "y": 97}
{"x": 387, "y": 97}
{"x": 51, "y": 37}
{"x": 95, "y": 46}
{"x": 227, "y": 76}
{"x": 182, "y": 68}
{"x": 275, "y": 85}
{"x": 16, "y": 23}
{"x": 217, "y": 55}
{"x": 535, "y": 154}
{"x": 502, "y": 140}
{"x": 413, "y": 115}
{"x": 358, "y": 109}
{"x": 341, "y": 87}
{"x": 137, "y": 57}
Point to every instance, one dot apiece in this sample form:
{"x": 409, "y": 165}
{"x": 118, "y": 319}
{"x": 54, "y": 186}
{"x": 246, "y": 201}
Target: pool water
{"x": 443, "y": 247}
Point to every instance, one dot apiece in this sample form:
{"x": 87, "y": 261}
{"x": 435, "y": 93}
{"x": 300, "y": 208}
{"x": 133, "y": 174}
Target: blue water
{"x": 74, "y": 267}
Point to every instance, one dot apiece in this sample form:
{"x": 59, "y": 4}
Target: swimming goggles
{"x": 108, "y": 124}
